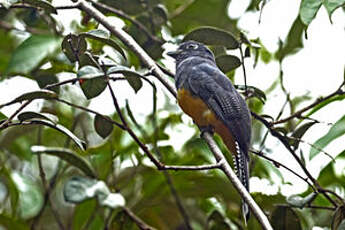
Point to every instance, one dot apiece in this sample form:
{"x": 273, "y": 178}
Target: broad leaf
{"x": 308, "y": 10}
{"x": 93, "y": 83}
{"x": 299, "y": 132}
{"x": 332, "y": 5}
{"x": 78, "y": 189}
{"x": 285, "y": 218}
{"x": 73, "y": 46}
{"x": 46, "y": 6}
{"x": 133, "y": 78}
{"x": 219, "y": 37}
{"x": 40, "y": 94}
{"x": 104, "y": 36}
{"x": 102, "y": 126}
{"x": 66, "y": 155}
{"x": 29, "y": 54}
{"x": 11, "y": 223}
{"x": 32, "y": 115}
{"x": 228, "y": 62}
{"x": 81, "y": 144}
{"x": 337, "y": 130}
{"x": 300, "y": 202}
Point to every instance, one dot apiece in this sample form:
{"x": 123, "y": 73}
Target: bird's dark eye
{"x": 192, "y": 46}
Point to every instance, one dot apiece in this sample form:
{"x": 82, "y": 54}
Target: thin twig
{"x": 278, "y": 164}
{"x": 299, "y": 113}
{"x": 139, "y": 222}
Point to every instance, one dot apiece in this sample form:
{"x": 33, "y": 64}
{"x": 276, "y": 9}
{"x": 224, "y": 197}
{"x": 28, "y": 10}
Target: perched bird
{"x": 208, "y": 96}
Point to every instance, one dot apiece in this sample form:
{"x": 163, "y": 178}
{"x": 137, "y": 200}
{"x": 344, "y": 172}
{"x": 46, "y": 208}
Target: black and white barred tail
{"x": 241, "y": 162}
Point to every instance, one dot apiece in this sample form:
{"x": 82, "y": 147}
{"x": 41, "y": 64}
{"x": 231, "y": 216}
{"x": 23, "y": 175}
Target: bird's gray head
{"x": 191, "y": 49}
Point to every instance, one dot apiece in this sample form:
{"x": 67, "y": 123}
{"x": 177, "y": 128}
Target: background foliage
{"x": 66, "y": 166}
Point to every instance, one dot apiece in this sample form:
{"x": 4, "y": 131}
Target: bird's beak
{"x": 174, "y": 54}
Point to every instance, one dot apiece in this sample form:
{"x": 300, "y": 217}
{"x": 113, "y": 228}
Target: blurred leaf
{"x": 66, "y": 155}
{"x": 12, "y": 189}
{"x": 324, "y": 103}
{"x": 133, "y": 78}
{"x": 254, "y": 92}
{"x": 219, "y": 37}
{"x": 159, "y": 15}
{"x": 299, "y": 132}
{"x": 46, "y": 6}
{"x": 216, "y": 221}
{"x": 12, "y": 223}
{"x": 95, "y": 83}
{"x": 308, "y": 10}
{"x": 102, "y": 126}
{"x": 81, "y": 144}
{"x": 30, "y": 195}
{"x": 78, "y": 189}
{"x": 83, "y": 213}
{"x": 227, "y": 62}
{"x": 338, "y": 218}
{"x": 44, "y": 78}
{"x": 29, "y": 54}
{"x": 299, "y": 202}
{"x": 294, "y": 41}
{"x": 73, "y": 46}
{"x": 332, "y": 5}
{"x": 40, "y": 94}
{"x": 193, "y": 14}
{"x": 8, "y": 3}
{"x": 2, "y": 117}
{"x": 337, "y": 130}
{"x": 104, "y": 36}
{"x": 24, "y": 116}
{"x": 284, "y": 218}
{"x": 342, "y": 225}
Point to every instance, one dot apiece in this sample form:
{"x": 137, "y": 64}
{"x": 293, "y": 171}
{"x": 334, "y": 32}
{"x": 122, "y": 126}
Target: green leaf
{"x": 46, "y": 6}
{"x": 82, "y": 214}
{"x": 308, "y": 10}
{"x": 332, "y": 5}
{"x": 228, "y": 62}
{"x": 73, "y": 46}
{"x": 219, "y": 37}
{"x": 104, "y": 36}
{"x": 299, "y": 202}
{"x": 32, "y": 115}
{"x": 299, "y": 132}
{"x": 285, "y": 218}
{"x": 30, "y": 53}
{"x": 102, "y": 126}
{"x": 95, "y": 82}
{"x": 12, "y": 224}
{"x": 326, "y": 102}
{"x": 40, "y": 94}
{"x": 133, "y": 78}
{"x": 337, "y": 130}
{"x": 68, "y": 156}
{"x": 78, "y": 189}
{"x": 2, "y": 116}
{"x": 294, "y": 41}
{"x": 81, "y": 144}
{"x": 8, "y": 3}
{"x": 338, "y": 218}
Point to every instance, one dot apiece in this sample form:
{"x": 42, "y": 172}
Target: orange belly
{"x": 203, "y": 117}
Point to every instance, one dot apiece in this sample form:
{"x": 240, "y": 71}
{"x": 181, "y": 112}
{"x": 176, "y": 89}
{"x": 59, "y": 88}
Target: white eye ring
{"x": 192, "y": 46}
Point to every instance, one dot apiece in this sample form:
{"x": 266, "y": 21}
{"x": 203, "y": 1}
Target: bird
{"x": 207, "y": 95}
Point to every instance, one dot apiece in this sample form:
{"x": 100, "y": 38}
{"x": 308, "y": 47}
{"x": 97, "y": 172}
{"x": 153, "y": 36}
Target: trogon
{"x": 207, "y": 95}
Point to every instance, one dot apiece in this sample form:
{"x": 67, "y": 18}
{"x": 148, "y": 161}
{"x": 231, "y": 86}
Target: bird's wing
{"x": 215, "y": 89}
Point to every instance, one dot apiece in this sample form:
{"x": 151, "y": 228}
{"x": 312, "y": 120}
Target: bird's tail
{"x": 241, "y": 162}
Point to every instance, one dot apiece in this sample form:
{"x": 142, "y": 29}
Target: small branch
{"x": 192, "y": 168}
{"x": 244, "y": 70}
{"x": 121, "y": 14}
{"x": 299, "y": 113}
{"x": 261, "y": 217}
{"x": 139, "y": 222}
{"x": 130, "y": 42}
{"x": 5, "y": 123}
{"x": 278, "y": 164}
